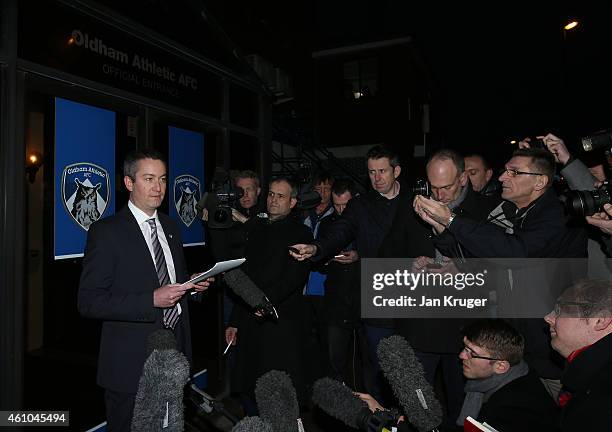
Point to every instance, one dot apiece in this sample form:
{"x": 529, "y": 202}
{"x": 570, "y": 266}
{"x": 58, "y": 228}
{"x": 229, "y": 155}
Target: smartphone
{"x": 294, "y": 250}
{"x": 433, "y": 266}
{"x": 339, "y": 256}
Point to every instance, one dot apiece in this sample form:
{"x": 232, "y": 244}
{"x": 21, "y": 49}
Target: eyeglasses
{"x": 471, "y": 354}
{"x": 586, "y": 306}
{"x": 513, "y": 173}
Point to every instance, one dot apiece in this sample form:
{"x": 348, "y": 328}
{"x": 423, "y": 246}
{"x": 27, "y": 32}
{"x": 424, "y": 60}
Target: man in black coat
{"x": 365, "y": 221}
{"x": 262, "y": 343}
{"x": 342, "y": 288}
{"x": 581, "y": 331}
{"x": 481, "y": 176}
{"x": 436, "y": 341}
{"x": 127, "y": 257}
{"x": 500, "y": 388}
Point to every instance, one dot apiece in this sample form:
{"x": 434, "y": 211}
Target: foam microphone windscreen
{"x": 244, "y": 287}
{"x": 252, "y": 424}
{"x": 159, "y": 400}
{"x": 338, "y": 401}
{"x": 405, "y": 375}
{"x": 277, "y": 401}
{"x": 161, "y": 339}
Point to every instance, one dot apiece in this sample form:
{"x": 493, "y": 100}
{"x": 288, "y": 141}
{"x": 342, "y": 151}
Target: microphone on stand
{"x": 159, "y": 400}
{"x": 277, "y": 402}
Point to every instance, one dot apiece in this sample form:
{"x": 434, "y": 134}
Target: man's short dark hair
{"x": 594, "y": 298}
{"x": 485, "y": 163}
{"x": 498, "y": 337}
{"x": 130, "y": 163}
{"x": 247, "y": 174}
{"x": 291, "y": 182}
{"x": 323, "y": 176}
{"x": 542, "y": 161}
{"x": 379, "y": 152}
{"x": 343, "y": 185}
{"x": 448, "y": 154}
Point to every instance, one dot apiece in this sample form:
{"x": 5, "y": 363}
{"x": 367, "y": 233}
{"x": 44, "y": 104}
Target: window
{"x": 361, "y": 78}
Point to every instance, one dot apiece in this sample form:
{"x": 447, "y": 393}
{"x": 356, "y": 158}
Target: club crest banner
{"x": 186, "y": 183}
{"x": 84, "y": 173}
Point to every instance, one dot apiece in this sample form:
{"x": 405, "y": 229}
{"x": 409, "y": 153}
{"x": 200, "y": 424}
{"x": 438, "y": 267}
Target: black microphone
{"x": 252, "y": 424}
{"x": 340, "y": 402}
{"x": 405, "y": 375}
{"x": 277, "y": 401}
{"x": 246, "y": 289}
{"x": 159, "y": 400}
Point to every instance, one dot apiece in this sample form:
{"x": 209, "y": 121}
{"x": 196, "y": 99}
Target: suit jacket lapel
{"x": 135, "y": 237}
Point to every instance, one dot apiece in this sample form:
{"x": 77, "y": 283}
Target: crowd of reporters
{"x": 504, "y": 372}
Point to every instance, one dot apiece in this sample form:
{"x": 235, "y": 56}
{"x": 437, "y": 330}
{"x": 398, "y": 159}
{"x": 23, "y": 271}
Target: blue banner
{"x": 84, "y": 173}
{"x": 186, "y": 183}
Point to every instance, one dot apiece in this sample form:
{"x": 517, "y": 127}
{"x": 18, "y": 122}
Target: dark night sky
{"x": 503, "y": 69}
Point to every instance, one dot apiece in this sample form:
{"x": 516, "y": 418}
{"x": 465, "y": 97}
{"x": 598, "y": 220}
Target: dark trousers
{"x": 119, "y": 410}
{"x": 373, "y": 377}
{"x": 343, "y": 352}
{"x": 452, "y": 376}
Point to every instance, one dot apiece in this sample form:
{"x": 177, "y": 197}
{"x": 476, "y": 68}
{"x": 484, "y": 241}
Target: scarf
{"x": 478, "y": 391}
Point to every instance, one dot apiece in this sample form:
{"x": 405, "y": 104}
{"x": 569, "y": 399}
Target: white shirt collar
{"x": 140, "y": 216}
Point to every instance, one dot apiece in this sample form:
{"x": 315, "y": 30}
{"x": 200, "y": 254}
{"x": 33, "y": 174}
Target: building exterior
{"x": 149, "y": 68}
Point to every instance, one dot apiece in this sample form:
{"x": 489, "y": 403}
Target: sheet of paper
{"x": 219, "y": 267}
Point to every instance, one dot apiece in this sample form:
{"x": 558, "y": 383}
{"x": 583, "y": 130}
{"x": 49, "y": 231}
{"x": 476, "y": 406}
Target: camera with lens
{"x": 220, "y": 200}
{"x": 421, "y": 187}
{"x": 587, "y": 203}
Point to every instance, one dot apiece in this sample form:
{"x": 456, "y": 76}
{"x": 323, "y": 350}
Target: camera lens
{"x": 222, "y": 215}
{"x": 586, "y": 203}
{"x": 421, "y": 187}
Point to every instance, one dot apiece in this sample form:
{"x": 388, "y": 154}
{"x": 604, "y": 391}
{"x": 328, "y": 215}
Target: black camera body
{"x": 421, "y": 187}
{"x": 586, "y": 203}
{"x": 221, "y": 200}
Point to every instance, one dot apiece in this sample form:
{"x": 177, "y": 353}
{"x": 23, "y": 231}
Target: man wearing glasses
{"x": 580, "y": 329}
{"x": 500, "y": 388}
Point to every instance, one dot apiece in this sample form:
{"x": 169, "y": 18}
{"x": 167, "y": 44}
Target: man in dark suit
{"x": 133, "y": 263}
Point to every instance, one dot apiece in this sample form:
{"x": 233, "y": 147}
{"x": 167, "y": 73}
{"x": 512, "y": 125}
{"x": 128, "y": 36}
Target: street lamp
{"x": 571, "y": 25}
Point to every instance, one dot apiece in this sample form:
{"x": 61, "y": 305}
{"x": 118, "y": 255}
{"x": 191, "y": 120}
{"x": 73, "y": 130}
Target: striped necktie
{"x": 171, "y": 315}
